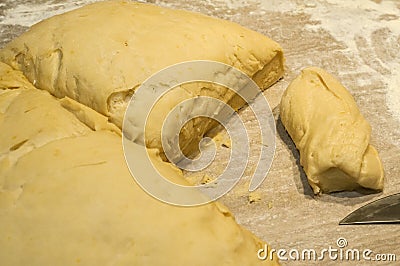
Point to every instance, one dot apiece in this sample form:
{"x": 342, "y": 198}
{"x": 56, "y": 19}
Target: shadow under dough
{"x": 302, "y": 186}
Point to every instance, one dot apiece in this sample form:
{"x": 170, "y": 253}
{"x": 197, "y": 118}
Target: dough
{"x": 331, "y": 134}
{"x": 67, "y": 197}
{"x": 23, "y": 110}
{"x": 99, "y": 54}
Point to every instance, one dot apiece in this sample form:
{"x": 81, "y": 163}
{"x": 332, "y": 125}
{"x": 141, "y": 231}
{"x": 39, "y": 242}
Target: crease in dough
{"x": 22, "y": 106}
{"x": 331, "y": 134}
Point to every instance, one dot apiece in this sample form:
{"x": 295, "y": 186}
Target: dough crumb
{"x": 254, "y": 197}
{"x": 222, "y": 139}
{"x": 206, "y": 179}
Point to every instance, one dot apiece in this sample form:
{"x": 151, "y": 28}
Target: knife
{"x": 382, "y": 211}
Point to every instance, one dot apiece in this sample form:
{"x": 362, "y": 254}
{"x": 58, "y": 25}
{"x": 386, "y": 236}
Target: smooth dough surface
{"x": 67, "y": 197}
{"x": 99, "y": 54}
{"x": 331, "y": 134}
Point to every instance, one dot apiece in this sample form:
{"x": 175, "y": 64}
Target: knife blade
{"x": 385, "y": 210}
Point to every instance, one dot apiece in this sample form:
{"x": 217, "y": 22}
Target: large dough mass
{"x": 66, "y": 195}
{"x": 99, "y": 54}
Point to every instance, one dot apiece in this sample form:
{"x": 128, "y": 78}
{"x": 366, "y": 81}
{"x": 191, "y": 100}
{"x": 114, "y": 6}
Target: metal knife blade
{"x": 381, "y": 211}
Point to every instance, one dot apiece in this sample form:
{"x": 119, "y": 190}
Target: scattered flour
{"x": 348, "y": 19}
{"x": 393, "y": 93}
{"x": 345, "y": 21}
{"x": 31, "y": 13}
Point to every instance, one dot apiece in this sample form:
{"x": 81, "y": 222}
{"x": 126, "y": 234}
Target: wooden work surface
{"x": 358, "y": 42}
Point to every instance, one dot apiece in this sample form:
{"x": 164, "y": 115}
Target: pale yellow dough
{"x": 66, "y": 195}
{"x": 99, "y": 54}
{"x": 331, "y": 134}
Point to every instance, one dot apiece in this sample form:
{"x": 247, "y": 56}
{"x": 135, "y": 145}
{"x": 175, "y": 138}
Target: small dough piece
{"x": 99, "y": 54}
{"x": 331, "y": 134}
